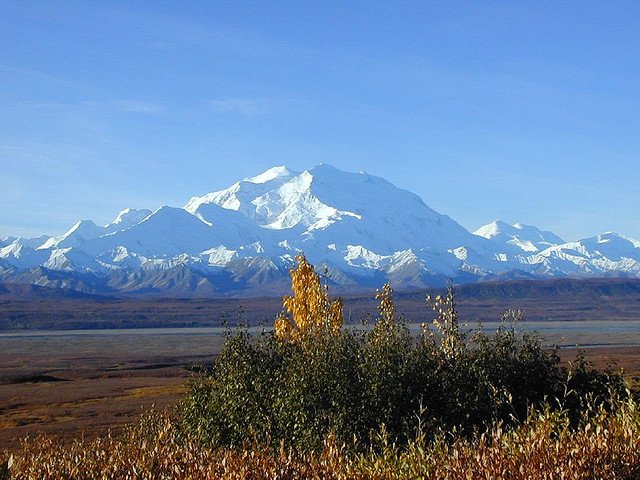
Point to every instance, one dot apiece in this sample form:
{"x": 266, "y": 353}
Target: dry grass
{"x": 154, "y": 449}
{"x": 551, "y": 443}
{"x": 606, "y": 445}
{"x": 91, "y": 405}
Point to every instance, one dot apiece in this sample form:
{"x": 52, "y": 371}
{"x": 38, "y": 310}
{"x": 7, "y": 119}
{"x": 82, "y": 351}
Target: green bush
{"x": 356, "y": 383}
{"x": 266, "y": 391}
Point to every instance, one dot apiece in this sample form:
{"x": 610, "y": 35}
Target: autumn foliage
{"x": 313, "y": 399}
{"x": 311, "y": 377}
{"x": 605, "y": 444}
{"x": 309, "y": 311}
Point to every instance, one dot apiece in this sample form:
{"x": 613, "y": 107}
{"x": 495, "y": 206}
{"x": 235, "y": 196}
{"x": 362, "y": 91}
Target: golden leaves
{"x": 386, "y": 308}
{"x": 446, "y": 321}
{"x": 605, "y": 445}
{"x": 309, "y": 311}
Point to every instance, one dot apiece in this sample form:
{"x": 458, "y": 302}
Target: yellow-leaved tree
{"x": 309, "y": 311}
{"x": 386, "y": 319}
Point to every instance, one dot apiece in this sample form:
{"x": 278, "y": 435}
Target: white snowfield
{"x": 358, "y": 226}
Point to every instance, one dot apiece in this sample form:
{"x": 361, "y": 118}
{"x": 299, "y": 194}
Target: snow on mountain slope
{"x": 219, "y": 256}
{"x": 324, "y": 206}
{"x": 360, "y": 227}
{"x": 82, "y": 231}
{"x": 600, "y": 255}
{"x": 21, "y": 252}
{"x": 359, "y": 256}
{"x": 167, "y": 232}
{"x": 518, "y": 237}
{"x": 383, "y": 217}
{"x": 295, "y": 204}
{"x": 240, "y": 195}
{"x": 87, "y": 230}
{"x": 277, "y": 199}
{"x": 612, "y": 246}
{"x": 33, "y": 242}
{"x": 633, "y": 241}
{"x": 127, "y": 218}
{"x": 20, "y": 255}
{"x": 70, "y": 259}
{"x": 232, "y": 228}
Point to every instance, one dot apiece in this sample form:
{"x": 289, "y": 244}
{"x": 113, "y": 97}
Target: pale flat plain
{"x": 68, "y": 383}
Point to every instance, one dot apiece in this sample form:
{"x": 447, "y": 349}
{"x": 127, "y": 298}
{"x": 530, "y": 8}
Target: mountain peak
{"x": 81, "y": 231}
{"x": 325, "y": 167}
{"x": 361, "y": 225}
{"x": 271, "y": 174}
{"x": 494, "y": 228}
{"x": 128, "y": 217}
{"x": 518, "y": 237}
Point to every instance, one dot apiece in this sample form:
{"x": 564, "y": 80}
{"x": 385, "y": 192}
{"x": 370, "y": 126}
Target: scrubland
{"x": 311, "y": 399}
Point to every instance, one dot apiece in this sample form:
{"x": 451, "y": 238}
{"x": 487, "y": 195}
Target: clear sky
{"x": 524, "y": 111}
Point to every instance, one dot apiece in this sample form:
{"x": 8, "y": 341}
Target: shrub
{"x": 309, "y": 378}
{"x": 310, "y": 312}
{"x": 605, "y": 443}
{"x": 378, "y": 403}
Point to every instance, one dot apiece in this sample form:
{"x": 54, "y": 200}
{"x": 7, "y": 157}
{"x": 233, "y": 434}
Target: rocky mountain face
{"x": 359, "y": 229}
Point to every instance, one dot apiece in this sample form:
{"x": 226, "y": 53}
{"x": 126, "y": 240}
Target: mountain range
{"x": 358, "y": 229}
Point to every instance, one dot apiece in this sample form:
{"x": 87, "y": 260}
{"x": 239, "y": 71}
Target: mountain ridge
{"x": 243, "y": 240}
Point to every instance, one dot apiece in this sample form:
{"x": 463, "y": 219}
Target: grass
{"x": 605, "y": 444}
{"x": 312, "y": 400}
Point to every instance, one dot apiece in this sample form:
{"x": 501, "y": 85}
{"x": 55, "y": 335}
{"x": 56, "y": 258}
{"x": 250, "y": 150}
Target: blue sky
{"x": 525, "y": 111}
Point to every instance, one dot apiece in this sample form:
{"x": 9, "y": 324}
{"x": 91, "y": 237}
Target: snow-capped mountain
{"x": 358, "y": 227}
{"x": 609, "y": 254}
{"x": 518, "y": 237}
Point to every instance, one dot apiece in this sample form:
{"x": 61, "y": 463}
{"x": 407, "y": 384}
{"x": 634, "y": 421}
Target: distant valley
{"x": 27, "y": 307}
